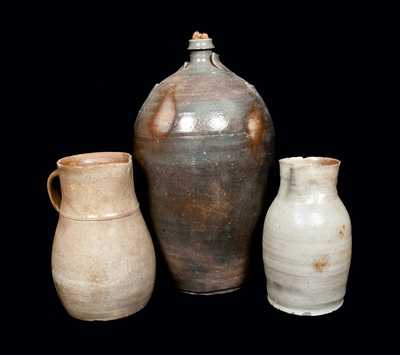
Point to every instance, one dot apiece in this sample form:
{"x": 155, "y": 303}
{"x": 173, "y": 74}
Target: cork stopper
{"x": 200, "y": 41}
{"x": 198, "y": 35}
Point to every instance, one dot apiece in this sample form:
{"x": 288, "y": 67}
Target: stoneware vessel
{"x": 204, "y": 142}
{"x": 307, "y": 239}
{"x": 103, "y": 260}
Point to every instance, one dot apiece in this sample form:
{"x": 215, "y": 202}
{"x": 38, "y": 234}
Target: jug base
{"x": 307, "y": 312}
{"x": 211, "y": 293}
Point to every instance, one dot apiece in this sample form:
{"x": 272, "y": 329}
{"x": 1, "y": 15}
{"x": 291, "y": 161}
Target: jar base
{"x": 211, "y": 293}
{"x": 307, "y": 312}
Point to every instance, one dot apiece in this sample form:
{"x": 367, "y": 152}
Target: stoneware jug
{"x": 103, "y": 260}
{"x": 307, "y": 239}
{"x": 204, "y": 143}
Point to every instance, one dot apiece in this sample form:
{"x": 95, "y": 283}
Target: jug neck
{"x": 310, "y": 179}
{"x": 201, "y": 57}
{"x": 200, "y": 47}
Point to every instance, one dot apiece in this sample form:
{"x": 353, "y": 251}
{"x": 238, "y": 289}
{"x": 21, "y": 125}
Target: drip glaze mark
{"x": 163, "y": 120}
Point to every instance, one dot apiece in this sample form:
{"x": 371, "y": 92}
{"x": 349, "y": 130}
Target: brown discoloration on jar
{"x": 207, "y": 175}
{"x": 321, "y": 264}
{"x": 164, "y": 117}
{"x": 342, "y": 232}
{"x": 256, "y": 125}
{"x": 214, "y": 205}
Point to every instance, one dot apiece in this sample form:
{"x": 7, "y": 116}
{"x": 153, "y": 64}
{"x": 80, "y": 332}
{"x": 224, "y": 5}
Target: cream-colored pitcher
{"x": 103, "y": 261}
{"x": 307, "y": 239}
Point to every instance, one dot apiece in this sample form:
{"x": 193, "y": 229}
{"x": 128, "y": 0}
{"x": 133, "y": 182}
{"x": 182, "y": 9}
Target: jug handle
{"x": 55, "y": 197}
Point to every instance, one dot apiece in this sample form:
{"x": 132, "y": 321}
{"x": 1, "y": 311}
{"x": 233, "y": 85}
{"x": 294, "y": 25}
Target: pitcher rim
{"x": 322, "y": 162}
{"x": 93, "y": 160}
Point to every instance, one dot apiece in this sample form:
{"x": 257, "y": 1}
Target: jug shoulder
{"x": 191, "y": 103}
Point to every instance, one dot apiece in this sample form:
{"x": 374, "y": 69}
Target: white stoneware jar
{"x": 103, "y": 261}
{"x": 307, "y": 239}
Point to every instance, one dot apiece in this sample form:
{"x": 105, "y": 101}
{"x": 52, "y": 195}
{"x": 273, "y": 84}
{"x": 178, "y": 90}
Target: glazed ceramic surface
{"x": 204, "y": 141}
{"x": 103, "y": 261}
{"x": 307, "y": 239}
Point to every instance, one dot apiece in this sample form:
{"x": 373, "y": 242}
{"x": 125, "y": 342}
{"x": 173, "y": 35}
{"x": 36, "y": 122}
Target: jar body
{"x": 204, "y": 142}
{"x": 103, "y": 261}
{"x": 307, "y": 243}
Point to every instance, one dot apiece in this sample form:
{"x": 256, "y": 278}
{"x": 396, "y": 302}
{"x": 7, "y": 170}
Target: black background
{"x": 90, "y": 71}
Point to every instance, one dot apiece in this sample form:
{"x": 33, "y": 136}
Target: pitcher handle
{"x": 55, "y": 197}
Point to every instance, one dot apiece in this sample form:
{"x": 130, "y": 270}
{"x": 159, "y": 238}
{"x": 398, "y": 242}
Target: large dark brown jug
{"x": 204, "y": 141}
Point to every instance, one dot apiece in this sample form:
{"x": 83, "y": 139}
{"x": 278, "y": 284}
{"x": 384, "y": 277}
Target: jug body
{"x": 103, "y": 261}
{"x": 204, "y": 142}
{"x": 307, "y": 239}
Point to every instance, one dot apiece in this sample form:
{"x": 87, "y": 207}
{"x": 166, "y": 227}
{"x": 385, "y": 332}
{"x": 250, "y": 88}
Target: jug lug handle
{"x": 184, "y": 66}
{"x": 217, "y": 63}
{"x": 55, "y": 197}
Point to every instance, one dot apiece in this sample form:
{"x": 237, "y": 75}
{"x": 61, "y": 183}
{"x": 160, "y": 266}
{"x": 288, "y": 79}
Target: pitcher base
{"x": 307, "y": 312}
